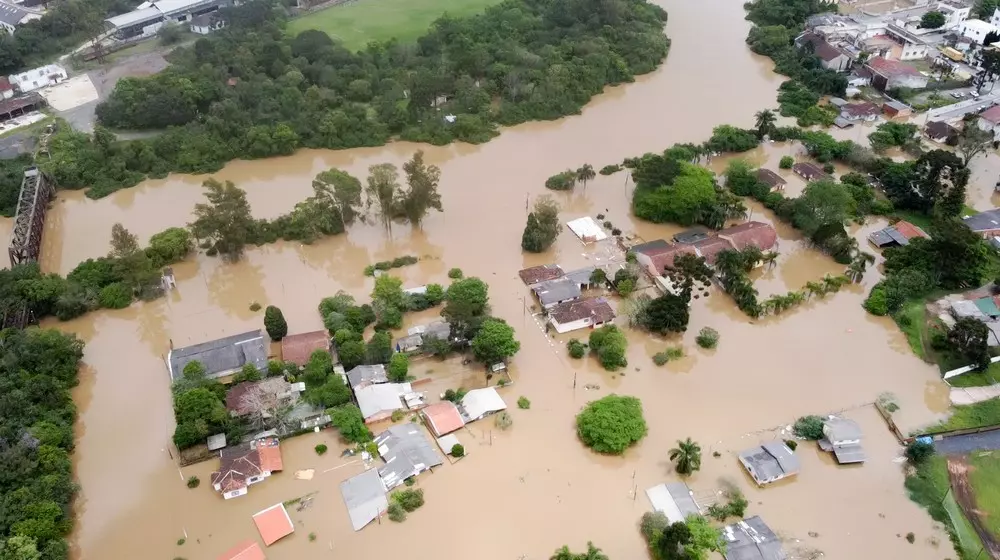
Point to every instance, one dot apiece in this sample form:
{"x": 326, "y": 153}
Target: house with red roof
{"x": 989, "y": 120}
{"x": 247, "y": 464}
{"x": 889, "y": 74}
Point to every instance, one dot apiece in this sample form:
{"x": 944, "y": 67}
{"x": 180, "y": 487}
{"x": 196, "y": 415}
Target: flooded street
{"x": 525, "y": 492}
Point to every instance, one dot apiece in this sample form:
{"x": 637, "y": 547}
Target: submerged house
{"x": 809, "y": 171}
{"x": 553, "y": 292}
{"x": 298, "y": 348}
{"x": 675, "y": 500}
{"x": 243, "y": 465}
{"x": 479, "y": 403}
{"x": 770, "y": 462}
{"x": 221, "y": 357}
{"x": 407, "y": 452}
{"x": 541, "y": 273}
{"x": 363, "y": 376}
{"x": 442, "y": 418}
{"x": 896, "y": 235}
{"x": 580, "y": 314}
{"x": 752, "y": 539}
{"x": 378, "y": 402}
{"x": 842, "y": 436}
{"x": 365, "y": 498}
{"x": 771, "y": 179}
{"x": 416, "y": 336}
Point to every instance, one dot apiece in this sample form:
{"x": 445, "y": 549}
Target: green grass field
{"x": 929, "y": 488}
{"x": 362, "y": 21}
{"x": 985, "y": 479}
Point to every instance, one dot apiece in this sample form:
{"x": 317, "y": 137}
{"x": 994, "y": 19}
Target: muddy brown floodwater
{"x": 524, "y": 492}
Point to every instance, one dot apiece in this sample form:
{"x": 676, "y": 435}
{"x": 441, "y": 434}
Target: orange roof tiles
{"x": 298, "y": 348}
{"x": 908, "y": 230}
{"x": 443, "y": 418}
{"x": 269, "y": 450}
{"x": 273, "y": 523}
{"x": 248, "y": 550}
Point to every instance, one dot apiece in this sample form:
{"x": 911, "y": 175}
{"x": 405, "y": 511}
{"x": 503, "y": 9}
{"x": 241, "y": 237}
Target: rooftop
{"x": 540, "y": 273}
{"x": 770, "y": 178}
{"x": 674, "y": 500}
{"x": 247, "y": 550}
{"x": 841, "y": 429}
{"x": 595, "y": 308}
{"x": 236, "y": 464}
{"x": 587, "y": 229}
{"x": 809, "y": 170}
{"x": 991, "y": 115}
{"x": 751, "y": 539}
{"x": 11, "y": 14}
{"x": 273, "y": 523}
{"x": 361, "y": 375}
{"x": 364, "y": 496}
{"x": 406, "y": 452}
{"x": 665, "y": 259}
{"x": 860, "y": 109}
{"x": 692, "y": 235}
{"x": 221, "y": 356}
{"x": 442, "y": 418}
{"x": 759, "y": 234}
{"x": 297, "y": 348}
{"x": 380, "y": 398}
{"x": 554, "y": 291}
{"x": 770, "y": 461}
{"x": 649, "y": 247}
{"x": 480, "y": 402}
{"x": 983, "y": 221}
{"x": 892, "y": 68}
{"x": 940, "y": 129}
{"x": 821, "y": 48}
{"x": 711, "y": 247}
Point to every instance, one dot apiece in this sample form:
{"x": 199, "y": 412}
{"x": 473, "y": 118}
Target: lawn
{"x": 985, "y": 479}
{"x": 928, "y": 487}
{"x": 361, "y": 21}
{"x": 986, "y": 413}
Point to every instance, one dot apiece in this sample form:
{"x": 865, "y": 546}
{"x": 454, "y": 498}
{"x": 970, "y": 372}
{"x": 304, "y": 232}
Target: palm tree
{"x": 585, "y": 174}
{"x": 856, "y": 270}
{"x": 770, "y": 258}
{"x": 688, "y": 456}
{"x": 765, "y": 122}
{"x": 815, "y": 289}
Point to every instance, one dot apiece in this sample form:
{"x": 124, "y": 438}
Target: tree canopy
{"x": 611, "y": 424}
{"x": 543, "y": 226}
{"x": 494, "y": 342}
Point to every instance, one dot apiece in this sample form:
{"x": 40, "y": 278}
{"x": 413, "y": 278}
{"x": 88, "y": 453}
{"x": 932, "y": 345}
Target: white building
{"x": 479, "y": 403}
{"x": 148, "y": 17}
{"x": 207, "y": 23}
{"x": 995, "y": 18}
{"x": 976, "y": 29}
{"x": 581, "y": 314}
{"x": 38, "y": 78}
{"x": 12, "y": 16}
{"x": 955, "y": 13}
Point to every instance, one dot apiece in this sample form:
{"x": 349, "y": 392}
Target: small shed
{"x": 588, "y": 230}
{"x": 448, "y": 442}
{"x": 674, "y": 500}
{"x": 770, "y": 462}
{"x": 895, "y": 109}
{"x": 216, "y": 442}
{"x": 364, "y": 496}
{"x": 842, "y": 436}
{"x": 273, "y": 524}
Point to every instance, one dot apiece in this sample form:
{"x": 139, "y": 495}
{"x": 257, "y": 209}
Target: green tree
{"x": 809, "y": 427}
{"x": 666, "y": 314}
{"x": 466, "y": 305}
{"x": 686, "y": 202}
{"x": 169, "y": 246}
{"x": 726, "y": 138}
{"x": 422, "y": 195}
{"x": 274, "y": 323}
{"x": 932, "y": 20}
{"x": 973, "y": 141}
{"x": 383, "y": 192}
{"x": 543, "y": 226}
{"x": 379, "y": 349}
{"x": 351, "y": 353}
{"x": 593, "y": 553}
{"x": 611, "y": 424}
{"x": 823, "y": 202}
{"x": 687, "y": 455}
{"x": 494, "y": 342}
{"x": 346, "y": 191}
{"x": 786, "y": 162}
{"x": 19, "y": 547}
{"x": 585, "y": 173}
{"x": 389, "y": 290}
{"x": 225, "y": 222}
{"x": 564, "y": 181}
{"x": 610, "y": 345}
{"x": 764, "y": 122}
{"x": 351, "y": 424}
{"x": 969, "y": 340}
{"x": 332, "y": 392}
{"x": 399, "y": 367}
{"x": 123, "y": 243}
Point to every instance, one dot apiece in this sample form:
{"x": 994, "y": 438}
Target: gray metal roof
{"x": 692, "y": 235}
{"x": 841, "y": 429}
{"x": 143, "y": 15}
{"x": 367, "y": 374}
{"x": 847, "y": 454}
{"x": 222, "y": 356}
{"x": 965, "y": 308}
{"x": 581, "y": 276}
{"x": 752, "y": 539}
{"x": 673, "y": 500}
{"x": 770, "y": 461}
{"x": 407, "y": 452}
{"x": 364, "y": 496}
{"x": 554, "y": 291}
{"x": 881, "y": 238}
{"x": 649, "y": 245}
{"x": 983, "y": 221}
{"x": 11, "y": 14}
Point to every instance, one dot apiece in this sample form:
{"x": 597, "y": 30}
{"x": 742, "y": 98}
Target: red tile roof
{"x": 273, "y": 523}
{"x": 5, "y": 84}
{"x": 297, "y": 348}
{"x": 664, "y": 259}
{"x": 771, "y": 178}
{"x": 992, "y": 114}
{"x": 711, "y": 247}
{"x": 248, "y": 550}
{"x": 269, "y": 450}
{"x": 759, "y": 234}
{"x": 860, "y": 109}
{"x": 889, "y": 68}
{"x": 909, "y": 231}
{"x": 541, "y": 273}
{"x": 596, "y": 308}
{"x": 236, "y": 465}
{"x": 442, "y": 418}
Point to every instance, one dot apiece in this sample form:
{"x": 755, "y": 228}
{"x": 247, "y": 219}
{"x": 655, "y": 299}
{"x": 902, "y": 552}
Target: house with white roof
{"x": 479, "y": 403}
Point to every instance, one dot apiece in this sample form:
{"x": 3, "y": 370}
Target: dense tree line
{"x": 11, "y": 174}
{"x": 251, "y": 91}
{"x": 37, "y": 372}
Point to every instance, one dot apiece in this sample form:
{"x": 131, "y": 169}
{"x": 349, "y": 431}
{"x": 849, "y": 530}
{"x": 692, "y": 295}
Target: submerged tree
{"x": 345, "y": 189}
{"x": 383, "y": 192}
{"x": 585, "y": 173}
{"x": 764, "y": 123}
{"x": 543, "y": 226}
{"x": 225, "y": 222}
{"x": 687, "y": 455}
{"x": 422, "y": 195}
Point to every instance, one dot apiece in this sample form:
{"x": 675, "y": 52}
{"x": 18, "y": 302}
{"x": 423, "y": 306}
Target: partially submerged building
{"x": 984, "y": 224}
{"x": 416, "y": 336}
{"x": 365, "y": 375}
{"x": 770, "y": 462}
{"x": 752, "y": 539}
{"x": 774, "y": 181}
{"x": 541, "y": 273}
{"x": 407, "y": 452}
{"x": 246, "y": 550}
{"x": 553, "y": 292}
{"x": 365, "y": 498}
{"x": 941, "y": 132}
{"x": 674, "y": 500}
{"x": 243, "y": 465}
{"x": 809, "y": 171}
{"x": 587, "y": 229}
{"x": 273, "y": 524}
{"x": 479, "y": 403}
{"x": 298, "y": 348}
{"x": 842, "y": 436}
{"x": 896, "y": 235}
{"x": 581, "y": 314}
{"x": 378, "y": 402}
{"x": 442, "y": 418}
{"x": 221, "y": 357}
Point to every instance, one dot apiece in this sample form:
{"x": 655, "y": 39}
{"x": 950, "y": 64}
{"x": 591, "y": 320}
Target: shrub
{"x": 397, "y": 513}
{"x": 610, "y": 169}
{"x": 274, "y": 323}
{"x": 181, "y": 541}
{"x": 791, "y": 443}
{"x": 254, "y": 306}
{"x": 576, "y": 348}
{"x": 457, "y": 450}
{"x": 455, "y": 274}
{"x": 918, "y": 452}
{"x": 660, "y": 358}
{"x": 809, "y": 427}
{"x": 611, "y": 424}
{"x": 523, "y": 403}
{"x": 786, "y": 162}
{"x": 877, "y": 303}
{"x": 312, "y": 537}
{"x": 409, "y": 499}
{"x": 609, "y": 344}
{"x": 503, "y": 420}
{"x": 410, "y": 481}
{"x": 653, "y": 524}
{"x": 321, "y": 449}
{"x": 115, "y": 296}
{"x": 397, "y": 415}
{"x": 561, "y": 181}
{"x": 910, "y": 537}
{"x": 829, "y": 168}
{"x": 707, "y": 338}
{"x": 193, "y": 482}
{"x": 435, "y": 294}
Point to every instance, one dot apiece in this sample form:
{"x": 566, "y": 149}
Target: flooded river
{"x": 524, "y": 492}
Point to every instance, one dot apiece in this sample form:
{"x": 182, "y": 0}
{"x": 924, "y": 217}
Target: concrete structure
{"x": 752, "y": 539}
{"x": 363, "y": 376}
{"x": 976, "y": 29}
{"x": 479, "y": 403}
{"x": 989, "y": 120}
{"x": 442, "y": 418}
{"x": 12, "y": 17}
{"x": 588, "y": 230}
{"x": 674, "y": 500}
{"x": 378, "y": 402}
{"x": 770, "y": 462}
{"x": 771, "y": 179}
{"x": 6, "y": 88}
{"x": 273, "y": 524}
{"x": 888, "y": 74}
{"x": 364, "y": 496}
{"x": 216, "y": 442}
{"x": 580, "y": 314}
{"x": 221, "y": 357}
{"x": 298, "y": 348}
{"x": 843, "y": 437}
{"x": 896, "y": 235}
{"x": 809, "y": 171}
{"x": 554, "y": 292}
{"x": 407, "y": 452}
{"x": 243, "y": 465}
{"x": 207, "y": 23}
{"x": 38, "y": 78}
{"x": 985, "y": 224}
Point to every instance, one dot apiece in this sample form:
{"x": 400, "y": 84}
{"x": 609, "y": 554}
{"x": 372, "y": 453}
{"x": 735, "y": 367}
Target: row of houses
{"x": 561, "y": 296}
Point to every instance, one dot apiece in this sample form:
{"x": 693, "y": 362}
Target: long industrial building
{"x": 148, "y": 17}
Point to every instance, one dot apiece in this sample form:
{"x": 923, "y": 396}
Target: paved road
{"x": 946, "y": 114}
{"x": 960, "y": 445}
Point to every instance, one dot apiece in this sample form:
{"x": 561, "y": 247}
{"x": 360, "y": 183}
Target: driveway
{"x": 961, "y": 445}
